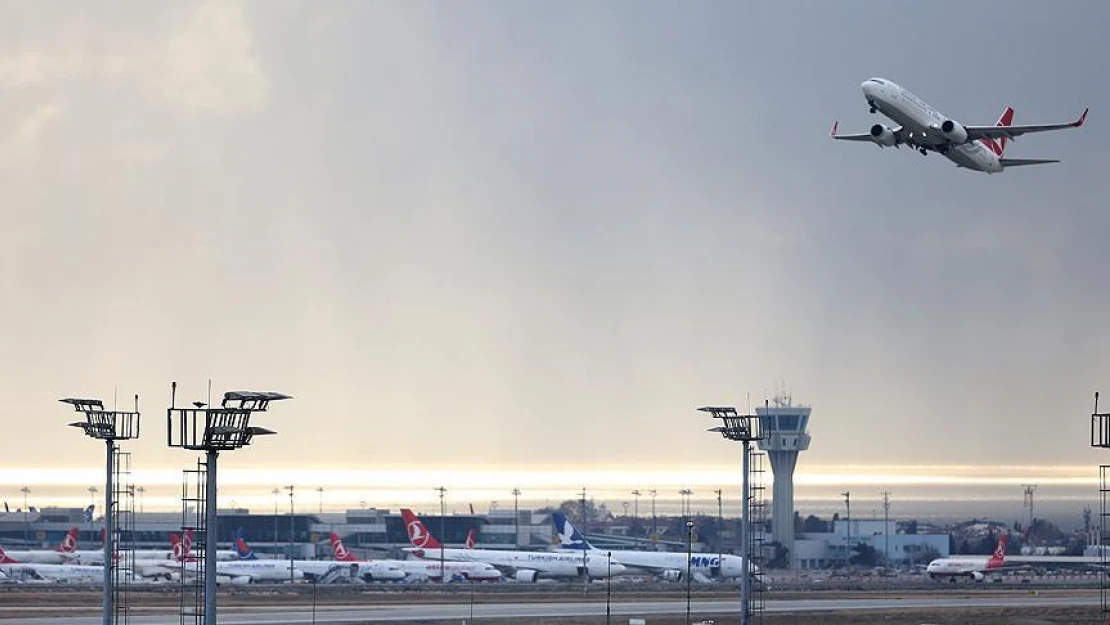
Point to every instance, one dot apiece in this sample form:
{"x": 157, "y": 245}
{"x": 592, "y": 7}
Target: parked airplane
{"x": 974, "y": 567}
{"x": 923, "y": 128}
{"x": 376, "y": 571}
{"x": 72, "y": 573}
{"x": 46, "y": 556}
{"x": 419, "y": 569}
{"x": 96, "y": 556}
{"x": 523, "y": 566}
{"x": 668, "y": 565}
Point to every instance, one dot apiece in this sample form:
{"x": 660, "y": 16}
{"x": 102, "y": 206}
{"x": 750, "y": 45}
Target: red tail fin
{"x": 6, "y": 559}
{"x": 998, "y": 146}
{"x": 178, "y": 548}
{"x": 471, "y": 538}
{"x": 419, "y": 535}
{"x": 998, "y": 558}
{"x": 341, "y": 552}
{"x": 69, "y": 542}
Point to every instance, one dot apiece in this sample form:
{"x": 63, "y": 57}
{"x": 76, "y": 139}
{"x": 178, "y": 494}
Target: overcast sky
{"x": 519, "y": 233}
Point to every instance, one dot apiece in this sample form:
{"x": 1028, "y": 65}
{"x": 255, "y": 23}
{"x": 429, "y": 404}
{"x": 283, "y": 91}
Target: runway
{"x": 462, "y": 611}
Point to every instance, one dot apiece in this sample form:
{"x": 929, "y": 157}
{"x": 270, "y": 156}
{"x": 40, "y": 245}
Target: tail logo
{"x": 417, "y": 535}
{"x": 178, "y": 550}
{"x": 471, "y": 538}
{"x": 69, "y": 543}
{"x": 341, "y": 552}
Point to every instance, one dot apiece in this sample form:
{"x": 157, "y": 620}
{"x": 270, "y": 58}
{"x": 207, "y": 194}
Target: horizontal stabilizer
{"x": 1017, "y": 162}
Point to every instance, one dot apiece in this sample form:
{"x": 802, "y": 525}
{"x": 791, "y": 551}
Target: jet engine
{"x": 883, "y": 135}
{"x": 526, "y": 576}
{"x": 953, "y": 131}
{"x": 977, "y": 576}
{"x": 672, "y": 575}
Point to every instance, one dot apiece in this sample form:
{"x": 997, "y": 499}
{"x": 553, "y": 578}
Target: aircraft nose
{"x": 867, "y": 86}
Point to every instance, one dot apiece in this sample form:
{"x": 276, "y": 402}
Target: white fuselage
{"x": 657, "y": 562}
{"x": 94, "y": 557}
{"x": 967, "y": 567}
{"x": 922, "y": 122}
{"x": 430, "y": 569}
{"x": 54, "y": 572}
{"x": 38, "y": 556}
{"x": 546, "y": 564}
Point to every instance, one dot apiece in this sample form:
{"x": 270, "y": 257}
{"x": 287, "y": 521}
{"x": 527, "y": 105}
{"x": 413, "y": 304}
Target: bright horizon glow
{"x": 544, "y": 477}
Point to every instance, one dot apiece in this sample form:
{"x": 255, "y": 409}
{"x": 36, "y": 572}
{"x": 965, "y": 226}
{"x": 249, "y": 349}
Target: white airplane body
{"x": 376, "y": 570}
{"x": 416, "y": 569}
{"x": 670, "y": 566}
{"x": 54, "y": 572}
{"x": 524, "y": 566}
{"x": 974, "y": 567}
{"x": 59, "y": 555}
{"x": 979, "y": 148}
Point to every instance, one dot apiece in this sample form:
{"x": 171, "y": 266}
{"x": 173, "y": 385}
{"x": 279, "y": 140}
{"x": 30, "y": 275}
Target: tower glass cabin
{"x": 784, "y": 435}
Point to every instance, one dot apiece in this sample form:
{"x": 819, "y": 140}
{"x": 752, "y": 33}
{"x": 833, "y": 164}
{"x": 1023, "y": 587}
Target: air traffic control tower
{"x": 784, "y": 435}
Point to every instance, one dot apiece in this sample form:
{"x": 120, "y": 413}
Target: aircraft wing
{"x": 1018, "y": 162}
{"x": 1009, "y": 132}
{"x": 899, "y": 136}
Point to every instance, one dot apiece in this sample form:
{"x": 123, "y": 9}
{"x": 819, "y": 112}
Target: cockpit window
{"x": 878, "y": 81}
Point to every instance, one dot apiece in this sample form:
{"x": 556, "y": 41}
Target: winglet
{"x": 1082, "y": 118}
{"x": 837, "y": 124}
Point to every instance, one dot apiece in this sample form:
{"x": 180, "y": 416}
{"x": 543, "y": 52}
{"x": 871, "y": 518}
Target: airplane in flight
{"x": 523, "y": 566}
{"x": 667, "y": 565}
{"x": 974, "y": 567}
{"x": 922, "y": 127}
{"x": 418, "y": 569}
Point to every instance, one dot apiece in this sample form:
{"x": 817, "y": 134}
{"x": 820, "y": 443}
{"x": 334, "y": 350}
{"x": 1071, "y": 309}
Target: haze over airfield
{"x": 510, "y": 235}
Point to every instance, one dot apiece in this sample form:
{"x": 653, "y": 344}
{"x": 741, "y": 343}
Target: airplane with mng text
{"x": 521, "y": 566}
{"x": 667, "y": 565}
{"x": 922, "y": 127}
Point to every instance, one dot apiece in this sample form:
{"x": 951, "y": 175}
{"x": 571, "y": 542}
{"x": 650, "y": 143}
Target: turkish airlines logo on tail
{"x": 178, "y": 548}
{"x": 69, "y": 543}
{"x": 341, "y": 552}
{"x": 999, "y": 555}
{"x": 417, "y": 535}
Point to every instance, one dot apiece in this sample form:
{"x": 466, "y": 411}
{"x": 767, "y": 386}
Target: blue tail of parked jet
{"x": 569, "y": 536}
{"x": 245, "y": 552}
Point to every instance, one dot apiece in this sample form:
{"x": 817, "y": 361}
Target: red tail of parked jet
{"x": 6, "y": 559}
{"x": 419, "y": 535}
{"x": 471, "y": 538}
{"x": 998, "y": 558}
{"x": 182, "y": 547}
{"x": 341, "y": 552}
{"x": 69, "y": 542}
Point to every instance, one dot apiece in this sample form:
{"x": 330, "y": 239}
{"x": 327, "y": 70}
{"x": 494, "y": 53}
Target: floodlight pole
{"x": 211, "y": 429}
{"x": 210, "y": 533}
{"x": 689, "y": 558}
{"x": 743, "y": 428}
{"x": 106, "y": 593}
{"x": 106, "y": 425}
